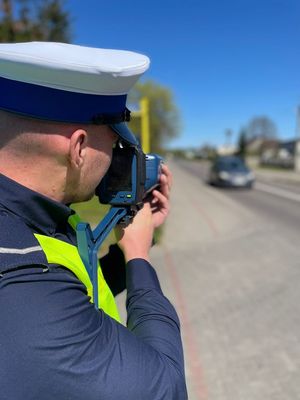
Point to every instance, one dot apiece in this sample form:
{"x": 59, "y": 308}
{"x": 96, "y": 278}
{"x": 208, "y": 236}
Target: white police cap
{"x": 69, "y": 83}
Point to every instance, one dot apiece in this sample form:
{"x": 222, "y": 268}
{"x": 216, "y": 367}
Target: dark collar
{"x": 38, "y": 211}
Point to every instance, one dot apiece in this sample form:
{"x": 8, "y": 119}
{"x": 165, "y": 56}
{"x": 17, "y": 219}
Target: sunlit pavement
{"x": 229, "y": 263}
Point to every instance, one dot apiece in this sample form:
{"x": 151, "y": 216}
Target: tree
{"x": 164, "y": 115}
{"x": 242, "y": 144}
{"x": 26, "y": 20}
{"x": 54, "y": 22}
{"x": 261, "y": 127}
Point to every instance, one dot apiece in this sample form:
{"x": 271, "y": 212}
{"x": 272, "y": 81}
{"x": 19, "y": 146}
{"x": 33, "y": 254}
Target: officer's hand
{"x": 159, "y": 201}
{"x": 135, "y": 240}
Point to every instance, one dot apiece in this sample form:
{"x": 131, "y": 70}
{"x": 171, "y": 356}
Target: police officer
{"x": 62, "y": 108}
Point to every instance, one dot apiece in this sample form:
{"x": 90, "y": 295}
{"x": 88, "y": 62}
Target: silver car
{"x": 231, "y": 171}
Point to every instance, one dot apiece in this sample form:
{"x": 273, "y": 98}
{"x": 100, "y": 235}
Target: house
{"x": 281, "y": 154}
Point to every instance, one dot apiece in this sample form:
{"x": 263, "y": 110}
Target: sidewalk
{"x": 233, "y": 277}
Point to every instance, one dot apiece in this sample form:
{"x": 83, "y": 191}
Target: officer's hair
{"x": 12, "y": 125}
{"x": 22, "y": 137}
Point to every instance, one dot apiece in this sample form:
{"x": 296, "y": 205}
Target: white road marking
{"x": 277, "y": 191}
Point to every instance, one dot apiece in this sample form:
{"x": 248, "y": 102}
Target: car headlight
{"x": 224, "y": 175}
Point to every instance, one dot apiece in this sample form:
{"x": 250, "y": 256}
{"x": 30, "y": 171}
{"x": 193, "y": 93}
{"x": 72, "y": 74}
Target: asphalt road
{"x": 229, "y": 262}
{"x": 275, "y": 203}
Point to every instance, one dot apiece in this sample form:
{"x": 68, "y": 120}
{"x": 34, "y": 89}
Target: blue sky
{"x": 225, "y": 61}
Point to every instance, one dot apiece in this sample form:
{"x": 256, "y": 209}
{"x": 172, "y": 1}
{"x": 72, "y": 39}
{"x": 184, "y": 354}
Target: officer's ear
{"x": 78, "y": 147}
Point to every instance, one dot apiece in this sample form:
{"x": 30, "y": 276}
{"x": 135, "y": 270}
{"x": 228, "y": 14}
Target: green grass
{"x": 93, "y": 212}
{"x": 275, "y": 168}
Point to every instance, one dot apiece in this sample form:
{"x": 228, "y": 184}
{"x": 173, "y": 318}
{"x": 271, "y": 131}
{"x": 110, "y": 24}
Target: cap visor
{"x": 125, "y": 133}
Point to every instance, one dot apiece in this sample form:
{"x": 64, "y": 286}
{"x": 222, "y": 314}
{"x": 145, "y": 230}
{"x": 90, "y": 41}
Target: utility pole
{"x": 298, "y": 123}
{"x": 297, "y": 141}
{"x": 228, "y": 134}
{"x": 143, "y": 113}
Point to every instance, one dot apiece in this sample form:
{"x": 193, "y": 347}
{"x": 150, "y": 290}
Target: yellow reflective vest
{"x": 65, "y": 254}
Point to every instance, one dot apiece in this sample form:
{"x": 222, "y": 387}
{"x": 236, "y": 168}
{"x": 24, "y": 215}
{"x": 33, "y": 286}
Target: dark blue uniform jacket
{"x": 54, "y": 345}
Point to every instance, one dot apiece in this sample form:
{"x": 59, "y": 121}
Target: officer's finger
{"x": 164, "y": 186}
{"x": 166, "y": 171}
{"x": 162, "y": 201}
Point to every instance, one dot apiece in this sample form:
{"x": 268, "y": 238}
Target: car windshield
{"x": 231, "y": 164}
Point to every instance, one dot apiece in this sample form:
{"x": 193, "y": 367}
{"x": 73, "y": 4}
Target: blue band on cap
{"x": 55, "y": 104}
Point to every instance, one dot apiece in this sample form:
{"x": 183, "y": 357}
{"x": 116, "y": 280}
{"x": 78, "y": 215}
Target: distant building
{"x": 280, "y": 153}
{"x": 189, "y": 154}
{"x": 254, "y": 145}
{"x": 226, "y": 150}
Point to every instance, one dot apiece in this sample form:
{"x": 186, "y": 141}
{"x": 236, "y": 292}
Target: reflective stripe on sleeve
{"x": 5, "y": 250}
